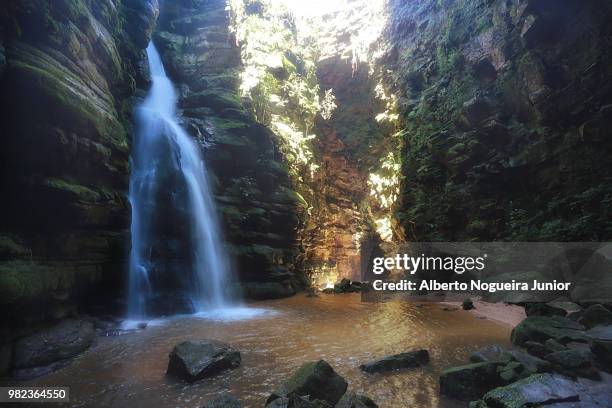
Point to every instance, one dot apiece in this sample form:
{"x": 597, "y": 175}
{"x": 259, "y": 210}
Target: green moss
{"x": 80, "y": 192}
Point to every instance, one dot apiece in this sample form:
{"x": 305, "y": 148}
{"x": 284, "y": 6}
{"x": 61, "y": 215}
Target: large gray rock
{"x": 60, "y": 342}
{"x": 532, "y": 391}
{"x": 194, "y": 360}
{"x": 542, "y": 328}
{"x": 318, "y": 380}
{"x": 409, "y": 359}
{"x": 470, "y": 381}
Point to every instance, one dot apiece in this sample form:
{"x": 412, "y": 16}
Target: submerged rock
{"x": 467, "y": 304}
{"x": 493, "y": 352}
{"x": 48, "y": 349}
{"x": 470, "y": 381}
{"x": 409, "y": 359}
{"x": 353, "y": 400}
{"x": 194, "y": 360}
{"x": 226, "y": 400}
{"x": 318, "y": 380}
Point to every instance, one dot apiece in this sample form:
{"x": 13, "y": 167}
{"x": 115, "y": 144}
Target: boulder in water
{"x": 194, "y": 360}
{"x": 467, "y": 304}
{"x": 470, "y": 381}
{"x": 409, "y": 359}
{"x": 493, "y": 352}
{"x": 317, "y": 380}
{"x": 47, "y": 350}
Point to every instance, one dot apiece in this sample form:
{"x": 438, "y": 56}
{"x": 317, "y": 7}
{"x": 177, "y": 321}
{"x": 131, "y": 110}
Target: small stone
{"x": 467, "y": 304}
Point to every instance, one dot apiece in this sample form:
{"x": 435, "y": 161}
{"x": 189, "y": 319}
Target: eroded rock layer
{"x": 68, "y": 72}
{"x": 260, "y": 209}
{"x": 506, "y": 107}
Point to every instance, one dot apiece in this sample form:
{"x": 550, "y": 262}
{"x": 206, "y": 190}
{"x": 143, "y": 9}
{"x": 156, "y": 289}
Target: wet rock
{"x": 318, "y": 380}
{"x": 595, "y": 315}
{"x": 536, "y": 349}
{"x": 353, "y": 400}
{"x": 226, "y": 400}
{"x": 51, "y": 346}
{"x": 343, "y": 286}
{"x": 493, "y": 352}
{"x": 467, "y": 304}
{"x": 470, "y": 381}
{"x": 553, "y": 346}
{"x": 543, "y": 309}
{"x": 296, "y": 401}
{"x": 511, "y": 372}
{"x": 542, "y": 328}
{"x": 574, "y": 363}
{"x": 410, "y": 359}
{"x": 194, "y": 360}
{"x": 530, "y": 363}
{"x": 536, "y": 390}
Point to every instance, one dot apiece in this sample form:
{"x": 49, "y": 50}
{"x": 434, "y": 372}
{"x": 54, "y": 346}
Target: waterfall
{"x": 160, "y": 140}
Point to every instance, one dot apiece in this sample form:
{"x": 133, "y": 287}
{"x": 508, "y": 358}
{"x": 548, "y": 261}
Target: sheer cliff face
{"x": 261, "y": 211}
{"x": 68, "y": 72}
{"x": 506, "y": 111}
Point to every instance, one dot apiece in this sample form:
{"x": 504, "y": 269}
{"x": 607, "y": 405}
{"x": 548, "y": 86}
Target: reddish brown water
{"x": 129, "y": 370}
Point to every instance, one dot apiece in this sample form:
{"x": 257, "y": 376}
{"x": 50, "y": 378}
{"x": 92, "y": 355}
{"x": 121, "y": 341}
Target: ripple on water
{"x": 275, "y": 338}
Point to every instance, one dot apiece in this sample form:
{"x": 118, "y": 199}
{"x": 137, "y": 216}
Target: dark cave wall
{"x": 506, "y": 108}
{"x": 69, "y": 70}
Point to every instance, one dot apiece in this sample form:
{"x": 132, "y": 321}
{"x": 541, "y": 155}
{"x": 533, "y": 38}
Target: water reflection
{"x": 129, "y": 370}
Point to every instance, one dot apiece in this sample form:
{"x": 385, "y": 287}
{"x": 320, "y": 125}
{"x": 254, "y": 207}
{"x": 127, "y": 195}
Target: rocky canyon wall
{"x": 260, "y": 209}
{"x": 505, "y": 107}
{"x": 68, "y": 72}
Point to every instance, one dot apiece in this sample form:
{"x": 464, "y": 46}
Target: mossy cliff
{"x": 505, "y": 107}
{"x": 68, "y": 71}
{"x": 260, "y": 209}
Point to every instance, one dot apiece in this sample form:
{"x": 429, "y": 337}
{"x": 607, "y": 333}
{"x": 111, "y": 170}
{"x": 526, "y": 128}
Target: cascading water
{"x": 161, "y": 143}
